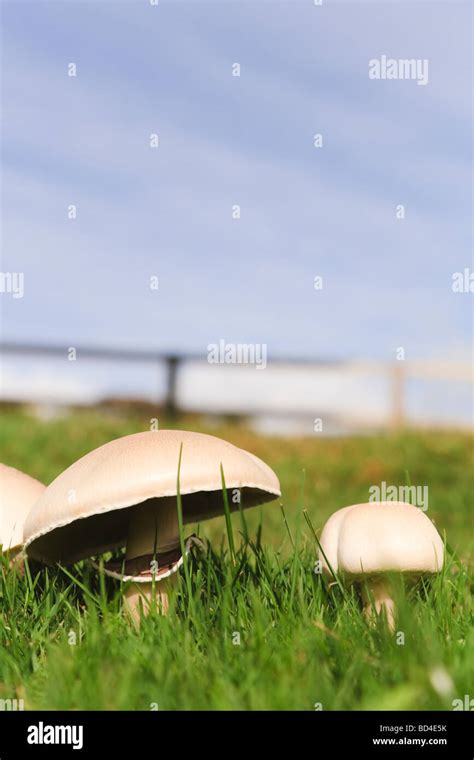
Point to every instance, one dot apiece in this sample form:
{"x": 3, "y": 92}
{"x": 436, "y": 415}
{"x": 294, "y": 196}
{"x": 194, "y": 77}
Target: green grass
{"x": 302, "y": 643}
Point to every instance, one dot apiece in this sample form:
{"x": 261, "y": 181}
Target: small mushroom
{"x": 364, "y": 543}
{"x": 18, "y": 493}
{"x": 124, "y": 494}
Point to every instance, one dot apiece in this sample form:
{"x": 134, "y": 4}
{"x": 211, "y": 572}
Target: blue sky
{"x": 249, "y": 140}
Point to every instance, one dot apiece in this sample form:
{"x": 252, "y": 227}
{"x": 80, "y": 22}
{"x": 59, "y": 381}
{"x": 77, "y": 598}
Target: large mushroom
{"x": 125, "y": 494}
{"x": 18, "y": 493}
{"x": 365, "y": 543}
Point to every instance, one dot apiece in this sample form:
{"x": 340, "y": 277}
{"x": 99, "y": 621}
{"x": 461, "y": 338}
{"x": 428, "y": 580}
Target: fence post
{"x": 171, "y": 404}
{"x": 398, "y": 395}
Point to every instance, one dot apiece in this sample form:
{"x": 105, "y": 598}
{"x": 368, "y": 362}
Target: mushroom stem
{"x": 154, "y": 528}
{"x": 377, "y": 599}
{"x": 152, "y": 531}
{"x": 142, "y": 596}
{"x": 17, "y": 562}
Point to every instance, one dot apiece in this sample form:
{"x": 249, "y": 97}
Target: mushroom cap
{"x": 18, "y": 493}
{"x": 381, "y": 536}
{"x": 86, "y": 510}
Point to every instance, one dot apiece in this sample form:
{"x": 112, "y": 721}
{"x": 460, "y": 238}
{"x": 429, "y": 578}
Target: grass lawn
{"x": 263, "y": 631}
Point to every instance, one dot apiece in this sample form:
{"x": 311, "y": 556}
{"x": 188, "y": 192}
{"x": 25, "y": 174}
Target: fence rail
{"x": 396, "y": 372}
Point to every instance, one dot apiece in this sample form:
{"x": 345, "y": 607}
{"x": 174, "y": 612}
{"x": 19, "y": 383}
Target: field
{"x": 260, "y": 630}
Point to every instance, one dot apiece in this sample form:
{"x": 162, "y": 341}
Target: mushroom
{"x": 124, "y": 494}
{"x": 364, "y": 543}
{"x": 18, "y": 493}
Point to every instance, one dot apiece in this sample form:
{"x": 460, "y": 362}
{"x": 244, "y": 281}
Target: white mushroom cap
{"x": 379, "y": 537}
{"x": 86, "y": 510}
{"x": 18, "y": 493}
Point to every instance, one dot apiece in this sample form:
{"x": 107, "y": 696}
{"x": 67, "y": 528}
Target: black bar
{"x": 328, "y": 734}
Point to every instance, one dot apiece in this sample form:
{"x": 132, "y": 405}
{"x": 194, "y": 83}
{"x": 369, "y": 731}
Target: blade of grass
{"x": 228, "y": 519}
{"x": 287, "y": 526}
{"x": 310, "y": 524}
{"x": 179, "y": 506}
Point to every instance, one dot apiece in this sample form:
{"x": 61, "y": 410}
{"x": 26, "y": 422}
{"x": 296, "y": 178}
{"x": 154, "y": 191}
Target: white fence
{"x": 299, "y": 395}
